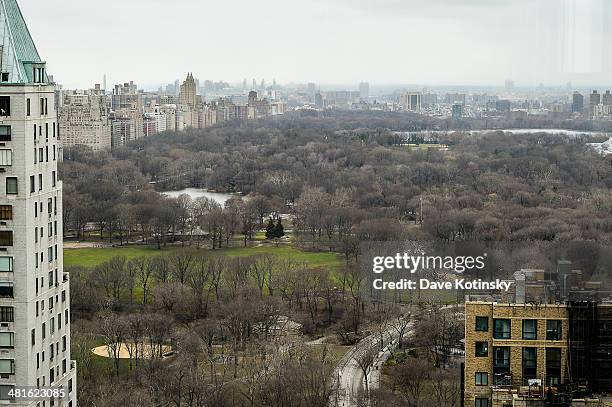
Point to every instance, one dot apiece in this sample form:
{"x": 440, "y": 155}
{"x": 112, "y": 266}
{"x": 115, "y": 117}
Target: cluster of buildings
{"x": 101, "y": 120}
{"x": 509, "y": 102}
{"x": 598, "y": 105}
{"x": 548, "y": 342}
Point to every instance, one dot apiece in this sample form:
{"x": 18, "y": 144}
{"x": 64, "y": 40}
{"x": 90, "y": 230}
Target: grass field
{"x": 91, "y": 257}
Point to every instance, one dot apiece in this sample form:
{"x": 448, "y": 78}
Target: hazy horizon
{"x": 384, "y": 42}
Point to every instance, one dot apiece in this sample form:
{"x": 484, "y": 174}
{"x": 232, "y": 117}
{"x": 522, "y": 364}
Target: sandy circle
{"x": 144, "y": 351}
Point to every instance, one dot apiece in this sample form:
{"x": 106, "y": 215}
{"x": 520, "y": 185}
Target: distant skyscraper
{"x": 254, "y": 86}
{"x": 188, "y": 94}
{"x": 509, "y": 84}
{"x": 457, "y": 111}
{"x": 34, "y": 290}
{"x": 252, "y": 97}
{"x": 411, "y": 101}
{"x": 318, "y": 100}
{"x": 429, "y": 100}
{"x": 311, "y": 88}
{"x": 244, "y": 84}
{"x": 606, "y": 98}
{"x": 594, "y": 100}
{"x": 577, "y": 102}
{"x": 364, "y": 90}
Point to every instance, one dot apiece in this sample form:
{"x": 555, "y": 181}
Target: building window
{"x": 7, "y": 340}
{"x": 5, "y": 106}
{"x": 5, "y": 390}
{"x": 7, "y": 366}
{"x": 6, "y": 264}
{"x": 5, "y": 133}
{"x": 553, "y": 330}
{"x": 501, "y": 329}
{"x": 40, "y": 182}
{"x": 530, "y": 329}
{"x": 6, "y": 289}
{"x": 28, "y": 107}
{"x": 6, "y": 212}
{"x": 6, "y": 314}
{"x": 6, "y": 238}
{"x": 482, "y": 349}
{"x": 6, "y": 157}
{"x": 530, "y": 364}
{"x": 501, "y": 365}
{"x": 481, "y": 403}
{"x": 482, "y": 324}
{"x": 11, "y": 186}
{"x": 553, "y": 366}
{"x": 482, "y": 379}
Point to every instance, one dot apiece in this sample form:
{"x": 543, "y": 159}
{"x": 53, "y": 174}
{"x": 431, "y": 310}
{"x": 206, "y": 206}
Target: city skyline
{"x": 453, "y": 43}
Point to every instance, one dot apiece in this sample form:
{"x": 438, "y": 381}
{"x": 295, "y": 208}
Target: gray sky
{"x": 428, "y": 42}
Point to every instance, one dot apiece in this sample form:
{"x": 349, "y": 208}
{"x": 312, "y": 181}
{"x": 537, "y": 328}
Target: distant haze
{"x": 429, "y": 42}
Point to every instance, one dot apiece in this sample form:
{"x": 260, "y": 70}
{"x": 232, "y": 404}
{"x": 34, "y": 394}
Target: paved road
{"x": 350, "y": 376}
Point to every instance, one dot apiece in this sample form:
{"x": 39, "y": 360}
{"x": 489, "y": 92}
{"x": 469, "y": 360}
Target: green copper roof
{"x": 18, "y": 50}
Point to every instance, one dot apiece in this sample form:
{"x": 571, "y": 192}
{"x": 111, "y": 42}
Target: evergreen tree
{"x": 279, "y": 231}
{"x": 270, "y": 229}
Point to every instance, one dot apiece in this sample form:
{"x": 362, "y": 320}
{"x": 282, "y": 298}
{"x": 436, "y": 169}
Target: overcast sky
{"x": 427, "y": 42}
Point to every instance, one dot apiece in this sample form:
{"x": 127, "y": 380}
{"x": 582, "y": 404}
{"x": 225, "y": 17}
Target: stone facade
{"x": 34, "y": 291}
{"x": 84, "y": 119}
{"x": 516, "y": 313}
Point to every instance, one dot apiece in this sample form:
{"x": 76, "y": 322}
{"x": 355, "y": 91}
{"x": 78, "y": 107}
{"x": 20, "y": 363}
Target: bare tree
{"x": 400, "y": 321}
{"x": 410, "y": 379}
{"x": 113, "y": 331}
{"x": 365, "y": 359}
{"x": 112, "y": 277}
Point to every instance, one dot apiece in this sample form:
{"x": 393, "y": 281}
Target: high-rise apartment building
{"x": 34, "y": 291}
{"x": 577, "y": 102}
{"x": 411, "y": 101}
{"x": 188, "y": 94}
{"x": 84, "y": 119}
{"x": 364, "y": 90}
{"x": 594, "y": 100}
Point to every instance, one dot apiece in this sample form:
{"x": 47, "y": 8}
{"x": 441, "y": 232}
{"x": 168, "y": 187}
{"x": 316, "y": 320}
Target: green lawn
{"x": 91, "y": 257}
{"x": 331, "y": 261}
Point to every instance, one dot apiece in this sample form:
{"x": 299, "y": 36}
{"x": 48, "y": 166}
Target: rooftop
{"x": 17, "y": 47}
